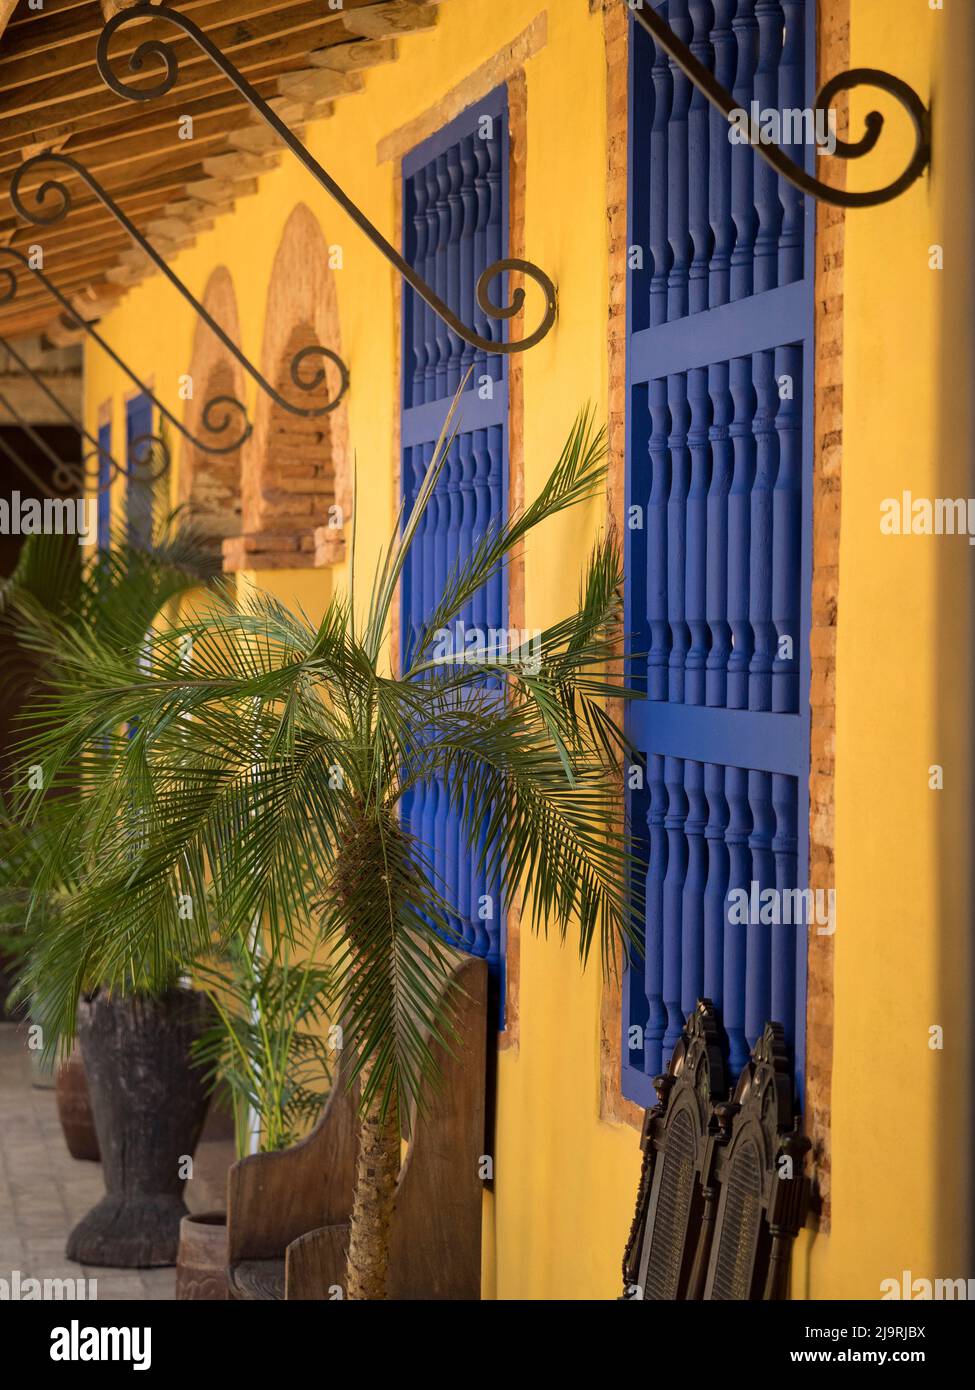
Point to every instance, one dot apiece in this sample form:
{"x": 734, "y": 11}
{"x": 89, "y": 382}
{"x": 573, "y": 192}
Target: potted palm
{"x": 269, "y": 1051}
{"x": 266, "y": 779}
{"x": 147, "y": 1100}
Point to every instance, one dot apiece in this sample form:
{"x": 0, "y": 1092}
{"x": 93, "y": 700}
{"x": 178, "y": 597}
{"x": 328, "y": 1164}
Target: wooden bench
{"x": 722, "y": 1192}
{"x": 288, "y": 1213}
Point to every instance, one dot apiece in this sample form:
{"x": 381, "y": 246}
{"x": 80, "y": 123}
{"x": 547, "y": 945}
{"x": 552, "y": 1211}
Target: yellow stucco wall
{"x": 901, "y": 1112}
{"x": 565, "y": 1180}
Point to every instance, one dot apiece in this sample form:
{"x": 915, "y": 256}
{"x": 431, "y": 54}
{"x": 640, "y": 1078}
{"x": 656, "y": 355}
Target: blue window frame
{"x": 104, "y": 486}
{"x": 455, "y": 219}
{"x": 139, "y": 461}
{"x": 718, "y": 562}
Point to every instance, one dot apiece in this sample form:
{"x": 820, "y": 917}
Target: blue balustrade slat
{"x": 754, "y": 325}
{"x": 139, "y": 461}
{"x": 768, "y": 14}
{"x": 767, "y": 742}
{"x": 717, "y": 551}
{"x": 104, "y": 480}
{"x": 455, "y": 214}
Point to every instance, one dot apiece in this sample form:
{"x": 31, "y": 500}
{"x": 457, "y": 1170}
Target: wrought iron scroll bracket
{"x": 159, "y": 51}
{"x": 36, "y": 213}
{"x": 68, "y": 476}
{"x": 719, "y": 97}
{"x": 211, "y": 417}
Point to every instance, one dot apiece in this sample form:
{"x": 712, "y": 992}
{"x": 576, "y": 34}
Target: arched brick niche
{"x": 210, "y": 484}
{"x": 296, "y": 487}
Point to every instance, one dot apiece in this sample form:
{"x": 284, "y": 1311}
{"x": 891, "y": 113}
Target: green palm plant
{"x": 262, "y": 776}
{"x": 115, "y": 594}
{"x": 269, "y": 1047}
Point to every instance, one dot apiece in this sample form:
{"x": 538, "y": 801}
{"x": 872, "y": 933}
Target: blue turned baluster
{"x": 678, "y": 232}
{"x": 425, "y": 569}
{"x": 452, "y": 857}
{"x": 483, "y": 501}
{"x": 455, "y": 216}
{"x": 429, "y": 272}
{"x": 660, "y": 252}
{"x": 673, "y": 898}
{"x": 680, "y": 478}
{"x": 722, "y": 467}
{"x": 466, "y": 906}
{"x": 739, "y": 531}
{"x": 468, "y": 194}
{"x": 692, "y": 931}
{"x": 719, "y": 202}
{"x": 417, "y": 307}
{"x": 716, "y": 887}
{"x": 735, "y": 933}
{"x": 495, "y": 247}
{"x": 482, "y": 194}
{"x": 766, "y": 470}
{"x": 495, "y": 586}
{"x": 440, "y": 273}
{"x": 758, "y": 989}
{"x": 697, "y": 535}
{"x": 698, "y": 147}
{"x": 768, "y": 13}
{"x": 787, "y": 531}
{"x": 656, "y": 873}
{"x": 743, "y": 158}
{"x": 657, "y": 542}
{"x": 791, "y": 96}
{"x": 787, "y": 941}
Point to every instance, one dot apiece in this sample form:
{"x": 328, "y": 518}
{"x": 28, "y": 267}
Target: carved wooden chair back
{"x": 723, "y": 1192}
{"x": 661, "y": 1256}
{"x": 760, "y": 1162}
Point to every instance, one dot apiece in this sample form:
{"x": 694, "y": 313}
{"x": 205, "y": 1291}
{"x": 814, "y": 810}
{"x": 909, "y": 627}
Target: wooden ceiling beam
{"x": 214, "y": 100}
{"x": 207, "y": 134}
{"x": 105, "y": 105}
{"x": 282, "y": 33}
{"x": 378, "y": 21}
{"x": 74, "y": 21}
{"x": 79, "y": 53}
{"x": 355, "y": 56}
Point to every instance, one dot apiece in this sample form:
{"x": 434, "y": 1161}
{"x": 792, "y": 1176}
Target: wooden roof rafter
{"x": 300, "y": 56}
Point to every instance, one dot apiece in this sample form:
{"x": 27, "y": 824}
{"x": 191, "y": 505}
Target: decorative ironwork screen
{"x": 455, "y": 218}
{"x": 720, "y": 343}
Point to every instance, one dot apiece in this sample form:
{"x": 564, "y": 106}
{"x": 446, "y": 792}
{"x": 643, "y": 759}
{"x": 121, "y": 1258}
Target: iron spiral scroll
{"x": 44, "y": 213}
{"x": 156, "y": 52}
{"x": 719, "y": 97}
{"x": 217, "y": 412}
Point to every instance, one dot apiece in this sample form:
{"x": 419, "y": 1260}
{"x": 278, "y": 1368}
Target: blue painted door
{"x": 104, "y": 486}
{"x": 720, "y": 358}
{"x": 139, "y": 461}
{"x": 455, "y": 220}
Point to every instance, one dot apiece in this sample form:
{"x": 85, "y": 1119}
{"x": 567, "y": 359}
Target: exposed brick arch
{"x": 295, "y": 468}
{"x": 210, "y": 484}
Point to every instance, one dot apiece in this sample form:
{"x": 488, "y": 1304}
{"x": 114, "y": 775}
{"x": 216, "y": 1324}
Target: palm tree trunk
{"x": 372, "y": 1207}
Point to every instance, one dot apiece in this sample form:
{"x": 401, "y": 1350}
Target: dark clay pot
{"x": 74, "y": 1109}
{"x": 201, "y": 1266}
{"x": 149, "y": 1104}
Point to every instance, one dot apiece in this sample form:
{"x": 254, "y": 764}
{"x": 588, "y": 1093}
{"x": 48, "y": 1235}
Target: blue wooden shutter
{"x": 719, "y": 474}
{"x": 104, "y": 486}
{"x": 455, "y": 220}
{"x": 139, "y": 488}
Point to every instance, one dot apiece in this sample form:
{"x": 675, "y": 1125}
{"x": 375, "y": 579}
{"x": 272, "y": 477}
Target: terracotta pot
{"x": 149, "y": 1104}
{"x": 201, "y": 1265}
{"x": 74, "y": 1109}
